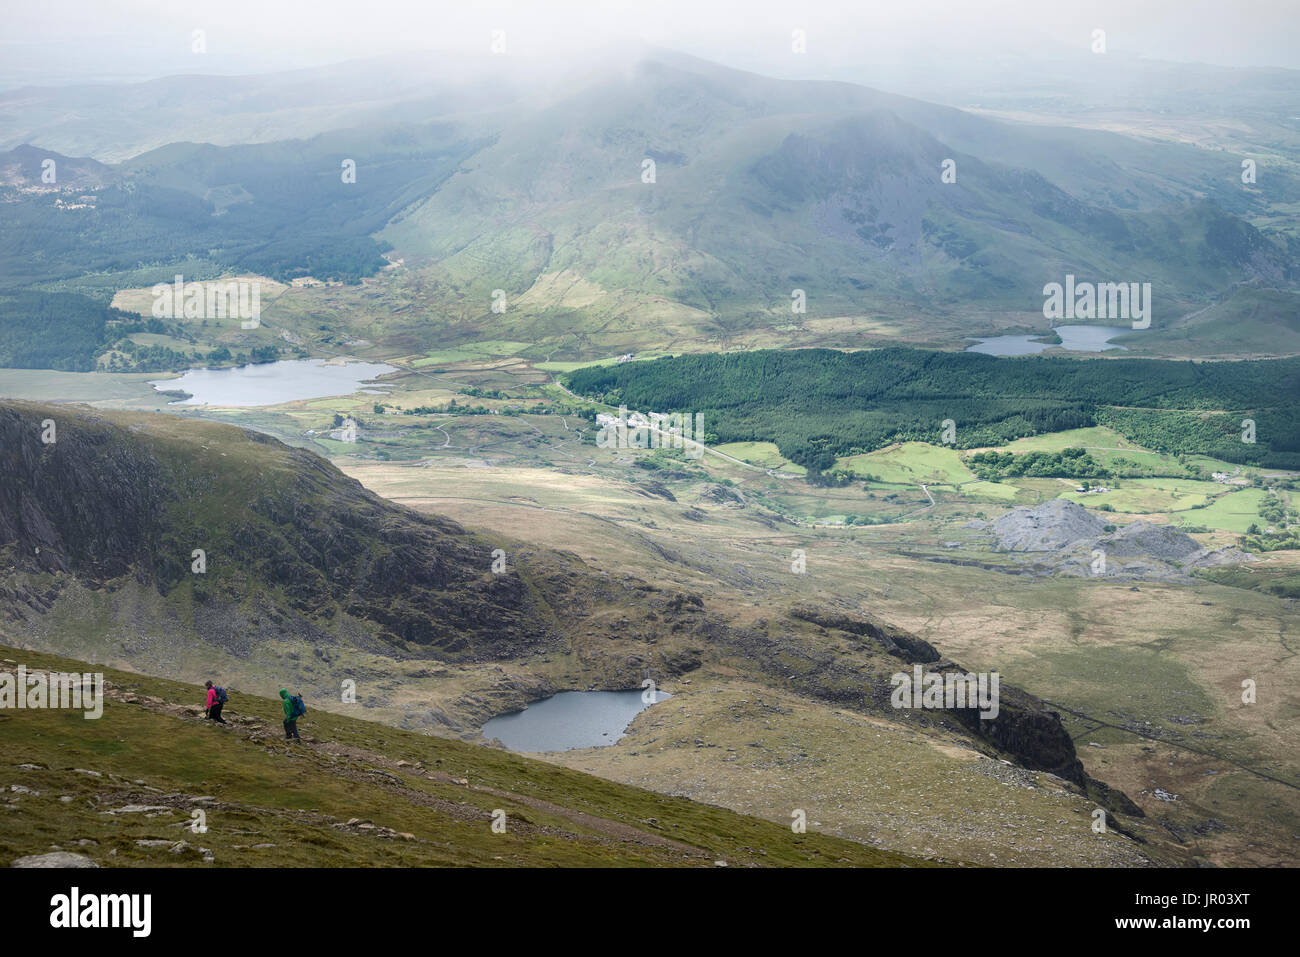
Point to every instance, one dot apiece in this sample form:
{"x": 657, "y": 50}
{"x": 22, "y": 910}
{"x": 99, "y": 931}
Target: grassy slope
{"x": 154, "y": 753}
{"x": 910, "y": 462}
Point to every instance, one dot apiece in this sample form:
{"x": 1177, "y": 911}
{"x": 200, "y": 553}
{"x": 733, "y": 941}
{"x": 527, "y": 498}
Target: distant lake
{"x": 1075, "y": 338}
{"x": 271, "y": 383}
{"x": 570, "y": 719}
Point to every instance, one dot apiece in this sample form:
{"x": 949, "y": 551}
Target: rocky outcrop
{"x": 54, "y": 859}
{"x": 1052, "y": 525}
{"x": 1148, "y": 540}
{"x": 722, "y": 495}
{"x": 1024, "y": 728}
{"x": 889, "y": 639}
{"x": 1078, "y": 543}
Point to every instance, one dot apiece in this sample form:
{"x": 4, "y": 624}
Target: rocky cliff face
{"x": 1024, "y": 727}
{"x": 104, "y": 502}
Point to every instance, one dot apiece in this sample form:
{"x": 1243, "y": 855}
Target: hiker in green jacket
{"x": 290, "y": 717}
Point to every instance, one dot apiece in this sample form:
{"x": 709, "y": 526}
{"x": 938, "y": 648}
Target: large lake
{"x": 1074, "y": 338}
{"x": 271, "y": 383}
{"x": 570, "y": 719}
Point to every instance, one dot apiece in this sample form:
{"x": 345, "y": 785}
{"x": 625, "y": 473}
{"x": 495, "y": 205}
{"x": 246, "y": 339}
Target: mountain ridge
{"x": 762, "y": 188}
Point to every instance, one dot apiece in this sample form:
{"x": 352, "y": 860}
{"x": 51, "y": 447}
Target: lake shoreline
{"x": 1071, "y": 338}
{"x": 263, "y": 384}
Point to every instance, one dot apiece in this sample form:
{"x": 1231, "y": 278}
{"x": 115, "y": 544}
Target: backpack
{"x": 221, "y": 694}
{"x": 299, "y": 709}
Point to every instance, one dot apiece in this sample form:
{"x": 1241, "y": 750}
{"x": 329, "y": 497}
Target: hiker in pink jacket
{"x": 216, "y": 701}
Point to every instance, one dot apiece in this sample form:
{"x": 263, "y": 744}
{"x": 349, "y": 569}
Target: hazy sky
{"x": 60, "y": 39}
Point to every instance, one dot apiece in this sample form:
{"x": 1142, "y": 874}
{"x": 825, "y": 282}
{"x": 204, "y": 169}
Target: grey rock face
{"x": 55, "y": 859}
{"x": 1053, "y": 525}
{"x": 1082, "y": 546}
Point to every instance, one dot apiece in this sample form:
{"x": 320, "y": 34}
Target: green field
{"x": 914, "y": 463}
{"x": 1149, "y": 495}
{"x": 1201, "y": 502}
{"x": 1107, "y": 446}
{"x": 1234, "y": 512}
{"x": 763, "y": 454}
{"x": 1095, "y": 437}
{"x": 996, "y": 491}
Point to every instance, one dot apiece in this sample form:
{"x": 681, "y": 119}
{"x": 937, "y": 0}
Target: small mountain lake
{"x": 570, "y": 719}
{"x": 271, "y": 383}
{"x": 1074, "y": 338}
